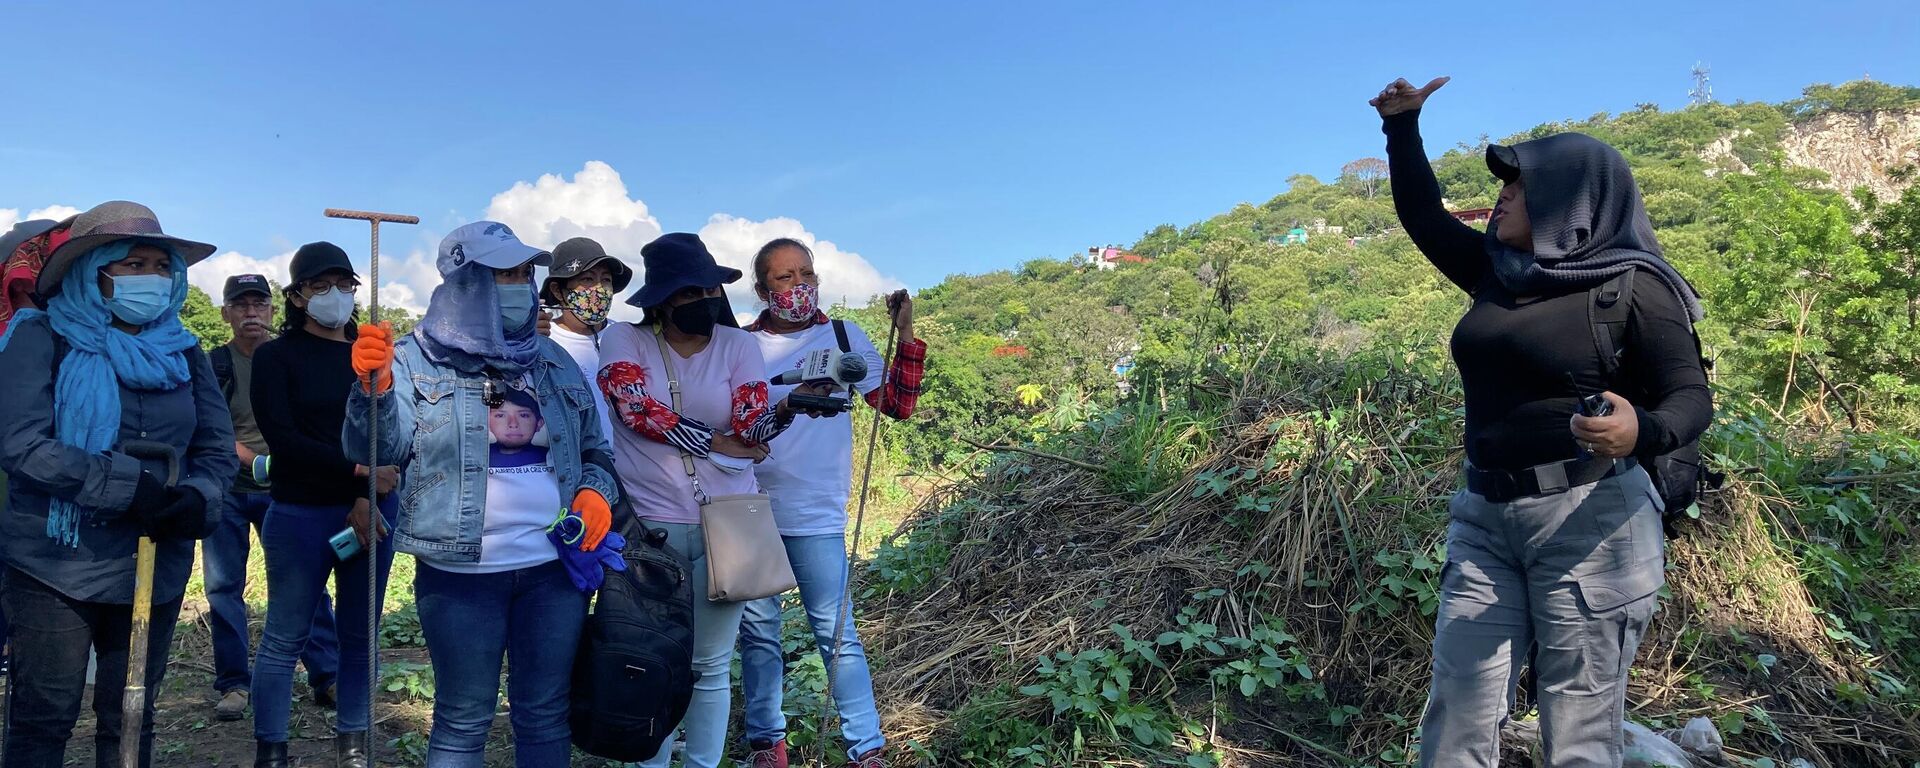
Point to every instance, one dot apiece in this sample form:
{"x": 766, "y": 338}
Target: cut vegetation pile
{"x": 1256, "y": 586}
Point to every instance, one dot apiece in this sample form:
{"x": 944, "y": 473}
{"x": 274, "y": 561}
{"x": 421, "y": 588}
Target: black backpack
{"x": 633, "y": 674}
{"x": 1682, "y": 474}
{"x": 222, "y": 359}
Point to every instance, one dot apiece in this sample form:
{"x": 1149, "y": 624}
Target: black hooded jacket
{"x": 1515, "y": 352}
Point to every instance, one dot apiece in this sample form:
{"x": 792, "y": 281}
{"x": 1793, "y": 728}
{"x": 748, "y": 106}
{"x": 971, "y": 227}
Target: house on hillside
{"x": 1474, "y": 217}
{"x": 1112, "y": 256}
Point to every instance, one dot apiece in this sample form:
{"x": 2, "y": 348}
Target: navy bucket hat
{"x": 674, "y": 262}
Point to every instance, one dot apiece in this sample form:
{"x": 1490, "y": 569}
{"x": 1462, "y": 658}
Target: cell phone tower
{"x": 1702, "y": 92}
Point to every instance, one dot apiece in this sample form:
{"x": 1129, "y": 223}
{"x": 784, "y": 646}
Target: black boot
{"x": 350, "y": 750}
{"x": 270, "y": 754}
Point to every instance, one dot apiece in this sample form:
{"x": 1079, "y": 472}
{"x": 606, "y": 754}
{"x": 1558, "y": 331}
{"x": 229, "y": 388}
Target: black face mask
{"x": 697, "y": 318}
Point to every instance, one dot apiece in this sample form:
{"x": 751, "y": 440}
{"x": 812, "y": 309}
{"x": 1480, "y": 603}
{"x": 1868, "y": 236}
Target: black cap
{"x": 580, "y": 254}
{"x": 241, "y": 285}
{"x": 315, "y": 258}
{"x": 1504, "y": 162}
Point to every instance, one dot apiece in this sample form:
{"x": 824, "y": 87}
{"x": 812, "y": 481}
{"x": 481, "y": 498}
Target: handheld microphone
{"x": 826, "y": 365}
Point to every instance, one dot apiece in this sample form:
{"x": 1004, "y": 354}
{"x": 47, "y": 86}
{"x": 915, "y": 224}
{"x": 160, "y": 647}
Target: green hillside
{"x": 1221, "y": 543}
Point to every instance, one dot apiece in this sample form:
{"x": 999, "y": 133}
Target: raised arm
{"x": 1458, "y": 250}
{"x": 374, "y": 360}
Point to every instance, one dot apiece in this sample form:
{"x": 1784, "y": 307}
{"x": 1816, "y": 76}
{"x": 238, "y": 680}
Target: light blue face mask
{"x": 140, "y": 299}
{"x": 516, "y": 306}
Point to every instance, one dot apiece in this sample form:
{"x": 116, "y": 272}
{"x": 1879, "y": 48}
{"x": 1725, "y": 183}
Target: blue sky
{"x": 923, "y": 138}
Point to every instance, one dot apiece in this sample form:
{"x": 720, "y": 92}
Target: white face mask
{"x": 331, "y": 309}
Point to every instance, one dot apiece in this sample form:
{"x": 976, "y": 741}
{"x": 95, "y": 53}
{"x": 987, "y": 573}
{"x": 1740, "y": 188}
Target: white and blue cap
{"x": 488, "y": 243}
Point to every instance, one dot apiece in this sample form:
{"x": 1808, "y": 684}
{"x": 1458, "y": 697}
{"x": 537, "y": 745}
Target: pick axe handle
{"x": 133, "y": 698}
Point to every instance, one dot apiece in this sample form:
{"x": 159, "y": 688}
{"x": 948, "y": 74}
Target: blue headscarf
{"x": 86, "y": 395}
{"x": 462, "y": 326}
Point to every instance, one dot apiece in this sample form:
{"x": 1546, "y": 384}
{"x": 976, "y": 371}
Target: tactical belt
{"x": 1501, "y": 485}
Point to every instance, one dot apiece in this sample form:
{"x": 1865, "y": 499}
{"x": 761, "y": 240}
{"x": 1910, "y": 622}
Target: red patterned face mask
{"x": 795, "y": 305}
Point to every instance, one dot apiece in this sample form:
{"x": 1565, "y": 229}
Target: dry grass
{"x": 1054, "y": 557}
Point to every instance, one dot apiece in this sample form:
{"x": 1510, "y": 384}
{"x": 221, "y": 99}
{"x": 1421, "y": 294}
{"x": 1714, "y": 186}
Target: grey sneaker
{"x": 232, "y": 706}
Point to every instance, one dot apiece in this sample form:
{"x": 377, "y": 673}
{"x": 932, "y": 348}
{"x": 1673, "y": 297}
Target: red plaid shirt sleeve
{"x": 902, "y": 391}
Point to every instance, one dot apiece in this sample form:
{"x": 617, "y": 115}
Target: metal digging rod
{"x": 373, "y": 468}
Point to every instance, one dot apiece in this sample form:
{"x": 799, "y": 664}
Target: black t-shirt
{"x": 1515, "y": 353}
{"x": 300, "y": 384}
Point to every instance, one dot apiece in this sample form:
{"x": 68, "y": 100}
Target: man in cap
{"x": 582, "y": 283}
{"x": 247, "y": 307}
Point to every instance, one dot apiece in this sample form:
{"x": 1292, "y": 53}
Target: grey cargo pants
{"x": 1570, "y": 575}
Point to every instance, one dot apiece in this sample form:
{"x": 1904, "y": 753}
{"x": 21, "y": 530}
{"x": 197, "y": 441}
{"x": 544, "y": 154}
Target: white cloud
{"x": 594, "y": 204}
{"x": 408, "y": 282}
{"x": 11, "y": 216}
{"x": 845, "y": 276}
{"x": 211, "y": 275}
{"x": 597, "y": 204}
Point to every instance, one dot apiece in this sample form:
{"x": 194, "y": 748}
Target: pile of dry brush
{"x": 1050, "y": 557}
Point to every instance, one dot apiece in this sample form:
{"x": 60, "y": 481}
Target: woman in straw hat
{"x": 105, "y": 364}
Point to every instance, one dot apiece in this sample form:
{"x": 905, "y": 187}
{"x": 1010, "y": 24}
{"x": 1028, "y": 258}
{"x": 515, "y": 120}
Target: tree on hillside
{"x": 1804, "y": 300}
{"x": 1859, "y": 96}
{"x": 202, "y": 319}
{"x": 1893, "y": 233}
{"x": 1365, "y": 174}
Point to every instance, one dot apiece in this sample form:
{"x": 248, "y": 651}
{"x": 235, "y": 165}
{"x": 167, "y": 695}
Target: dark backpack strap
{"x": 840, "y": 335}
{"x": 222, "y": 360}
{"x": 1608, "y": 305}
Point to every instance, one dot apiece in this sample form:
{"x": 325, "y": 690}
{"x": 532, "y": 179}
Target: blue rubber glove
{"x": 588, "y": 570}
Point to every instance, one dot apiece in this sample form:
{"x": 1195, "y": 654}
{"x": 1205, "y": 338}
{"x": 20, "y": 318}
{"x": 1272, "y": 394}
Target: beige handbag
{"x": 746, "y": 558}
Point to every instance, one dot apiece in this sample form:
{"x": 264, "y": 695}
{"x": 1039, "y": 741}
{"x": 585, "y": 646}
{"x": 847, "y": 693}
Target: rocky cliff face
{"x": 1853, "y": 149}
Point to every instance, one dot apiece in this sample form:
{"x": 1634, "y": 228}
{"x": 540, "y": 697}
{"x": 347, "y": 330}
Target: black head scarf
{"x": 1588, "y": 222}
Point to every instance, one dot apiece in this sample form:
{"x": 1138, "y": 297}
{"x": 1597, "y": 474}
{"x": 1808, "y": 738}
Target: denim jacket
{"x": 433, "y": 425}
{"x": 191, "y": 418}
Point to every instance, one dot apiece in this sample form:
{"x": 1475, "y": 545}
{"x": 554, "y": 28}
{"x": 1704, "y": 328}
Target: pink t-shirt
{"x": 651, "y": 472}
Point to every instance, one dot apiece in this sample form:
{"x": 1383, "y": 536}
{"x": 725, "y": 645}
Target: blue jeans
{"x": 820, "y": 566}
{"x": 715, "y": 627}
{"x": 533, "y": 617}
{"x": 225, "y": 554}
{"x": 299, "y": 560}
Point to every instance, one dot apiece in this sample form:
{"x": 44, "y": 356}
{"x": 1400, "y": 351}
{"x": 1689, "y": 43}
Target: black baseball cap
{"x": 579, "y": 254}
{"x": 315, "y": 258}
{"x": 241, "y": 285}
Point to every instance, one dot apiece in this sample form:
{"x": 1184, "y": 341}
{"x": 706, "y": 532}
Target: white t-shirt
{"x": 586, "y": 354}
{"x": 651, "y": 471}
{"x": 810, "y": 472}
{"x": 523, "y": 495}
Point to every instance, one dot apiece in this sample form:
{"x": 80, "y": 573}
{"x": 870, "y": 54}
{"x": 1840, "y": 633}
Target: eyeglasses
{"x": 323, "y": 287}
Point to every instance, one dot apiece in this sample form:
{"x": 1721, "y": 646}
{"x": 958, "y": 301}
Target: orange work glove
{"x": 597, "y": 516}
{"x": 373, "y": 357}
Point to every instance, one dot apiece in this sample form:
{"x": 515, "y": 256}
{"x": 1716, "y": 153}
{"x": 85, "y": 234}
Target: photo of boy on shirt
{"x": 518, "y": 431}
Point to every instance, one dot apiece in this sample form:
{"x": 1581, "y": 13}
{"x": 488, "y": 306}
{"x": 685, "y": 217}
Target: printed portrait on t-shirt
{"x": 518, "y": 434}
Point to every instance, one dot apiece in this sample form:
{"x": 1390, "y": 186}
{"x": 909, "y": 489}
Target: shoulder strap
{"x": 222, "y": 360}
{"x": 1608, "y": 305}
{"x": 673, "y": 387}
{"x": 840, "y": 335}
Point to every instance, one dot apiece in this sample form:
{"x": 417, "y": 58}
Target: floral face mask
{"x": 795, "y": 305}
{"x": 589, "y": 303}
